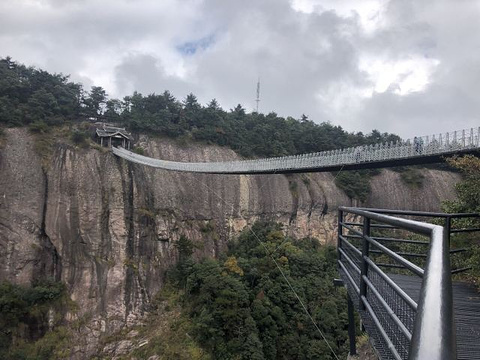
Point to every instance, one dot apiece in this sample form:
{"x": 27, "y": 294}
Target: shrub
{"x": 38, "y": 127}
{"x": 79, "y": 137}
{"x": 355, "y": 184}
{"x": 411, "y": 176}
{"x": 146, "y": 213}
{"x": 21, "y": 308}
{"x": 139, "y": 150}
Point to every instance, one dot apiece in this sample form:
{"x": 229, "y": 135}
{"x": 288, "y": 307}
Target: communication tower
{"x": 258, "y": 93}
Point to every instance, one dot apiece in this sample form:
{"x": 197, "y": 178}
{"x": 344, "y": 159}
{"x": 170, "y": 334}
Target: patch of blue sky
{"x": 190, "y": 48}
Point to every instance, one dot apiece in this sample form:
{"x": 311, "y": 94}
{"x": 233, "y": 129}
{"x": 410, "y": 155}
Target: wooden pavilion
{"x": 113, "y": 136}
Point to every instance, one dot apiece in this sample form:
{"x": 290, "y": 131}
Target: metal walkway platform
{"x": 466, "y": 312}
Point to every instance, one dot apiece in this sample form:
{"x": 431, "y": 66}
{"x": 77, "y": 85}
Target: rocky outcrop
{"x": 107, "y": 228}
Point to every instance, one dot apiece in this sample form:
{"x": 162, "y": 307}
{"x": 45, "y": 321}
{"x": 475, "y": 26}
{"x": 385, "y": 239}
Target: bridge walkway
{"x": 466, "y": 313}
{"x": 420, "y": 150}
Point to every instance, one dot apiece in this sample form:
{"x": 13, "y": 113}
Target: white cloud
{"x": 370, "y": 12}
{"x": 402, "y": 77}
{"x": 396, "y": 65}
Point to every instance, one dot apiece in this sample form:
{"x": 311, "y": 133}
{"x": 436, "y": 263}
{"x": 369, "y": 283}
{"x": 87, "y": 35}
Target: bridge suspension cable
{"x": 419, "y": 150}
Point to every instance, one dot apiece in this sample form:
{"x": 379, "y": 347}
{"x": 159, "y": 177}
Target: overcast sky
{"x": 403, "y": 66}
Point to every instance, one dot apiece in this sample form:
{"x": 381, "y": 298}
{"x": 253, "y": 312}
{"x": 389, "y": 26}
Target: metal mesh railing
{"x": 395, "y": 304}
{"x": 387, "y": 301}
{"x": 439, "y": 144}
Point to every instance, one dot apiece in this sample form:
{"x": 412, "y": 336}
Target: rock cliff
{"x": 108, "y": 228}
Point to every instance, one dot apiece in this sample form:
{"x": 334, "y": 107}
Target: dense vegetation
{"x": 468, "y": 201}
{"x": 356, "y": 184}
{"x": 242, "y": 307}
{"x": 28, "y": 327}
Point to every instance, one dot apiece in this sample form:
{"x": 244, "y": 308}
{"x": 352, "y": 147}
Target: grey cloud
{"x": 438, "y": 109}
{"x": 308, "y": 63}
{"x": 145, "y": 74}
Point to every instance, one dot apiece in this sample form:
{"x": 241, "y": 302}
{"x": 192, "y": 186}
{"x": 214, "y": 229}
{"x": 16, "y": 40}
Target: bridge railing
{"x": 401, "y": 327}
{"x": 439, "y": 144}
{"x": 454, "y": 224}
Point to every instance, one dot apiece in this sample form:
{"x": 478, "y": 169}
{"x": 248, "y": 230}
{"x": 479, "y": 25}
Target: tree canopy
{"x": 243, "y": 308}
{"x": 30, "y": 95}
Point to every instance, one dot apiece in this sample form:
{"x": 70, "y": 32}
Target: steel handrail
{"x": 417, "y": 270}
{"x": 434, "y": 331}
{"x": 433, "y": 335}
{"x": 418, "y": 213}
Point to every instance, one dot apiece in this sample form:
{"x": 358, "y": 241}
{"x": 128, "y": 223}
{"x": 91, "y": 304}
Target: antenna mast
{"x": 258, "y": 93}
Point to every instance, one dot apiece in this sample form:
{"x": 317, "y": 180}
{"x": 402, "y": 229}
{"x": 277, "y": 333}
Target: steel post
{"x": 340, "y": 232}
{"x": 351, "y": 326}
{"x": 448, "y": 229}
{"x": 364, "y": 266}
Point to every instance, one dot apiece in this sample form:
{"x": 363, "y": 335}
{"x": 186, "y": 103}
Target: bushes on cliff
{"x": 468, "y": 190}
{"x": 241, "y": 305}
{"x": 412, "y": 176}
{"x": 79, "y": 137}
{"x": 468, "y": 201}
{"x": 356, "y": 184}
{"x": 24, "y": 318}
{"x": 38, "y": 127}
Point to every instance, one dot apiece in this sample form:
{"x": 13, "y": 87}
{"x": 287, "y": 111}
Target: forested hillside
{"x": 29, "y": 95}
{"x": 241, "y": 306}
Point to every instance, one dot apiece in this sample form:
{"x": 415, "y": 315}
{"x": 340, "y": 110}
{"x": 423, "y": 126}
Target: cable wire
{"x": 279, "y": 268}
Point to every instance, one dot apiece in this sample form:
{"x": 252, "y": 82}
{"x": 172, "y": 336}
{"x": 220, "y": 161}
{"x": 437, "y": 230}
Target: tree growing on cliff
{"x": 468, "y": 190}
{"x": 468, "y": 201}
{"x": 95, "y": 101}
{"x": 24, "y": 318}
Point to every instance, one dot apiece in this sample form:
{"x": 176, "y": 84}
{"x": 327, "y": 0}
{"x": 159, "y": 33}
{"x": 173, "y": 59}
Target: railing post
{"x": 340, "y": 233}
{"x": 351, "y": 326}
{"x": 364, "y": 266}
{"x": 448, "y": 227}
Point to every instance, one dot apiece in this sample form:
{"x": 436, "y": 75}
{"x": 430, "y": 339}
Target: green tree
{"x": 468, "y": 190}
{"x": 95, "y": 101}
{"x": 242, "y": 308}
{"x": 468, "y": 201}
{"x": 42, "y": 105}
{"x": 113, "y": 110}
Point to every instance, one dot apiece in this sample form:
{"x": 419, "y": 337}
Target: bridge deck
{"x": 418, "y": 151}
{"x": 466, "y": 303}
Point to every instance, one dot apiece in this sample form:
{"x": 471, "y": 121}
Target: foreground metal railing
{"x": 400, "y": 327}
{"x": 416, "y": 150}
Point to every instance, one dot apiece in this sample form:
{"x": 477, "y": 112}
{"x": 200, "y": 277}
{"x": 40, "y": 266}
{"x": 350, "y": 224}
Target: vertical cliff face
{"x": 107, "y": 228}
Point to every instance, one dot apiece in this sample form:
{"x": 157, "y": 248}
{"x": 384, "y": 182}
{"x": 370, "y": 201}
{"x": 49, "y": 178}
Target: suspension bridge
{"x": 420, "y": 150}
{"x": 396, "y": 265}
